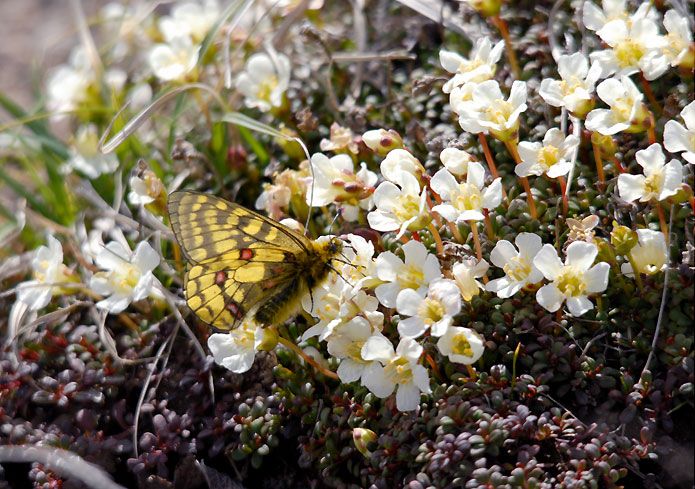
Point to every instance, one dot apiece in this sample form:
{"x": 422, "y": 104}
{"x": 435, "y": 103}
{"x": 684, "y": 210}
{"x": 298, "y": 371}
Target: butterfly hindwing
{"x": 238, "y": 259}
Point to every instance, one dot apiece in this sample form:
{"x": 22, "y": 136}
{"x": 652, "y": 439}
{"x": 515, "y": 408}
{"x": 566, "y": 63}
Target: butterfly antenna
{"x": 313, "y": 183}
{"x": 340, "y": 275}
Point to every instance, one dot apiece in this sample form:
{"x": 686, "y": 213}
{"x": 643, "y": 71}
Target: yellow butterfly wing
{"x": 238, "y": 259}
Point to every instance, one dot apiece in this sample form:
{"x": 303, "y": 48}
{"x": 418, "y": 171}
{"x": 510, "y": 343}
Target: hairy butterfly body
{"x": 243, "y": 265}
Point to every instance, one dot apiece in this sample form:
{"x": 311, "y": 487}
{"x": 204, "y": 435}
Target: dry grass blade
{"x": 131, "y": 126}
{"x": 62, "y": 462}
{"x": 437, "y": 11}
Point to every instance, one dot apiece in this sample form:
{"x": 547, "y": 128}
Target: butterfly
{"x": 243, "y": 265}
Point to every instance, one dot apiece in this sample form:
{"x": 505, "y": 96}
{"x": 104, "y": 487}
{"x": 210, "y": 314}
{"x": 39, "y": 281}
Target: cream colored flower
{"x": 461, "y": 345}
{"x": 398, "y": 369}
{"x": 467, "y": 200}
{"x": 478, "y": 67}
{"x": 660, "y": 180}
{"x": 264, "y": 80}
{"x": 650, "y": 254}
{"x": 465, "y": 274}
{"x": 572, "y": 281}
{"x": 552, "y": 158}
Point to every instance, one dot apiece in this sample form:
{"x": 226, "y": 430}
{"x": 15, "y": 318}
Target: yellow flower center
{"x": 246, "y": 338}
{"x": 266, "y": 87}
{"x": 548, "y": 156}
{"x": 623, "y": 108}
{"x": 517, "y": 268}
{"x": 468, "y": 198}
{"x": 499, "y": 112}
{"x": 431, "y": 311}
{"x": 628, "y": 53}
{"x": 570, "y": 282}
{"x": 461, "y": 346}
{"x": 408, "y": 207}
{"x": 411, "y": 277}
{"x": 653, "y": 184}
{"x": 569, "y": 86}
{"x": 676, "y": 44}
{"x": 469, "y": 65}
{"x": 126, "y": 278}
{"x": 354, "y": 351}
{"x": 399, "y": 371}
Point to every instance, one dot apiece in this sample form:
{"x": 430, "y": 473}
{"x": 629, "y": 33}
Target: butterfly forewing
{"x": 238, "y": 259}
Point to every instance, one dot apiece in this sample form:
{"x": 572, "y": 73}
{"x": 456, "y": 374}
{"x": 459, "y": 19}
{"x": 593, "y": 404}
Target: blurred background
{"x": 37, "y": 35}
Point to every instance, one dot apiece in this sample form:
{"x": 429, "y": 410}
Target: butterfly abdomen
{"x": 281, "y": 305}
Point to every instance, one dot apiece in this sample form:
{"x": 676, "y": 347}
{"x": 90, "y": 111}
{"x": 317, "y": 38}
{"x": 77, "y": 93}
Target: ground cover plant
{"x": 497, "y": 197}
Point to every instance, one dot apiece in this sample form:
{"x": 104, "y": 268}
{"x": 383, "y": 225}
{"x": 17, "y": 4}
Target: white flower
{"x": 465, "y": 274}
{"x": 679, "y": 139}
{"x": 574, "y": 90}
{"x": 418, "y": 270}
{"x": 145, "y": 187}
{"x": 346, "y": 344}
{"x": 679, "y": 39}
{"x": 633, "y": 47}
{"x": 627, "y": 111}
{"x": 190, "y": 19}
{"x": 553, "y": 157}
{"x": 465, "y": 201}
{"x": 336, "y": 304}
{"x": 660, "y": 180}
{"x": 455, "y": 160}
{"x": 49, "y": 274}
{"x": 399, "y": 209}
{"x": 460, "y": 96}
{"x": 237, "y": 349}
{"x": 175, "y": 59}
{"x": 489, "y": 112}
{"x": 435, "y": 312}
{"x": 461, "y": 345}
{"x": 479, "y": 67}
{"x": 400, "y": 370}
{"x": 361, "y": 271}
{"x": 336, "y": 182}
{"x": 264, "y": 80}
{"x": 517, "y": 265}
{"x": 650, "y": 254}
{"x": 128, "y": 277}
{"x": 399, "y": 161}
{"x": 573, "y": 280}
{"x": 68, "y": 85}
{"x": 595, "y": 19}
{"x": 86, "y": 157}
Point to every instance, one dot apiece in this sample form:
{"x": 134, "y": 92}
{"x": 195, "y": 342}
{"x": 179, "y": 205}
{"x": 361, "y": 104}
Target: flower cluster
{"x": 516, "y": 253}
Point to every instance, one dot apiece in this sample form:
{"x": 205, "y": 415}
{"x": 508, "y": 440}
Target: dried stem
{"x": 476, "y": 239}
{"x": 511, "y": 147}
{"x": 488, "y": 155}
{"x": 501, "y": 25}
{"x": 565, "y": 200}
{"x": 291, "y": 346}
{"x": 437, "y": 238}
{"x": 650, "y": 95}
{"x": 599, "y": 165}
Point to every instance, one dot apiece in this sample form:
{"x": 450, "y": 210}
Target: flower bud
{"x": 382, "y": 141}
{"x": 487, "y": 8}
{"x": 623, "y": 238}
{"x": 362, "y": 438}
{"x": 604, "y": 143}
